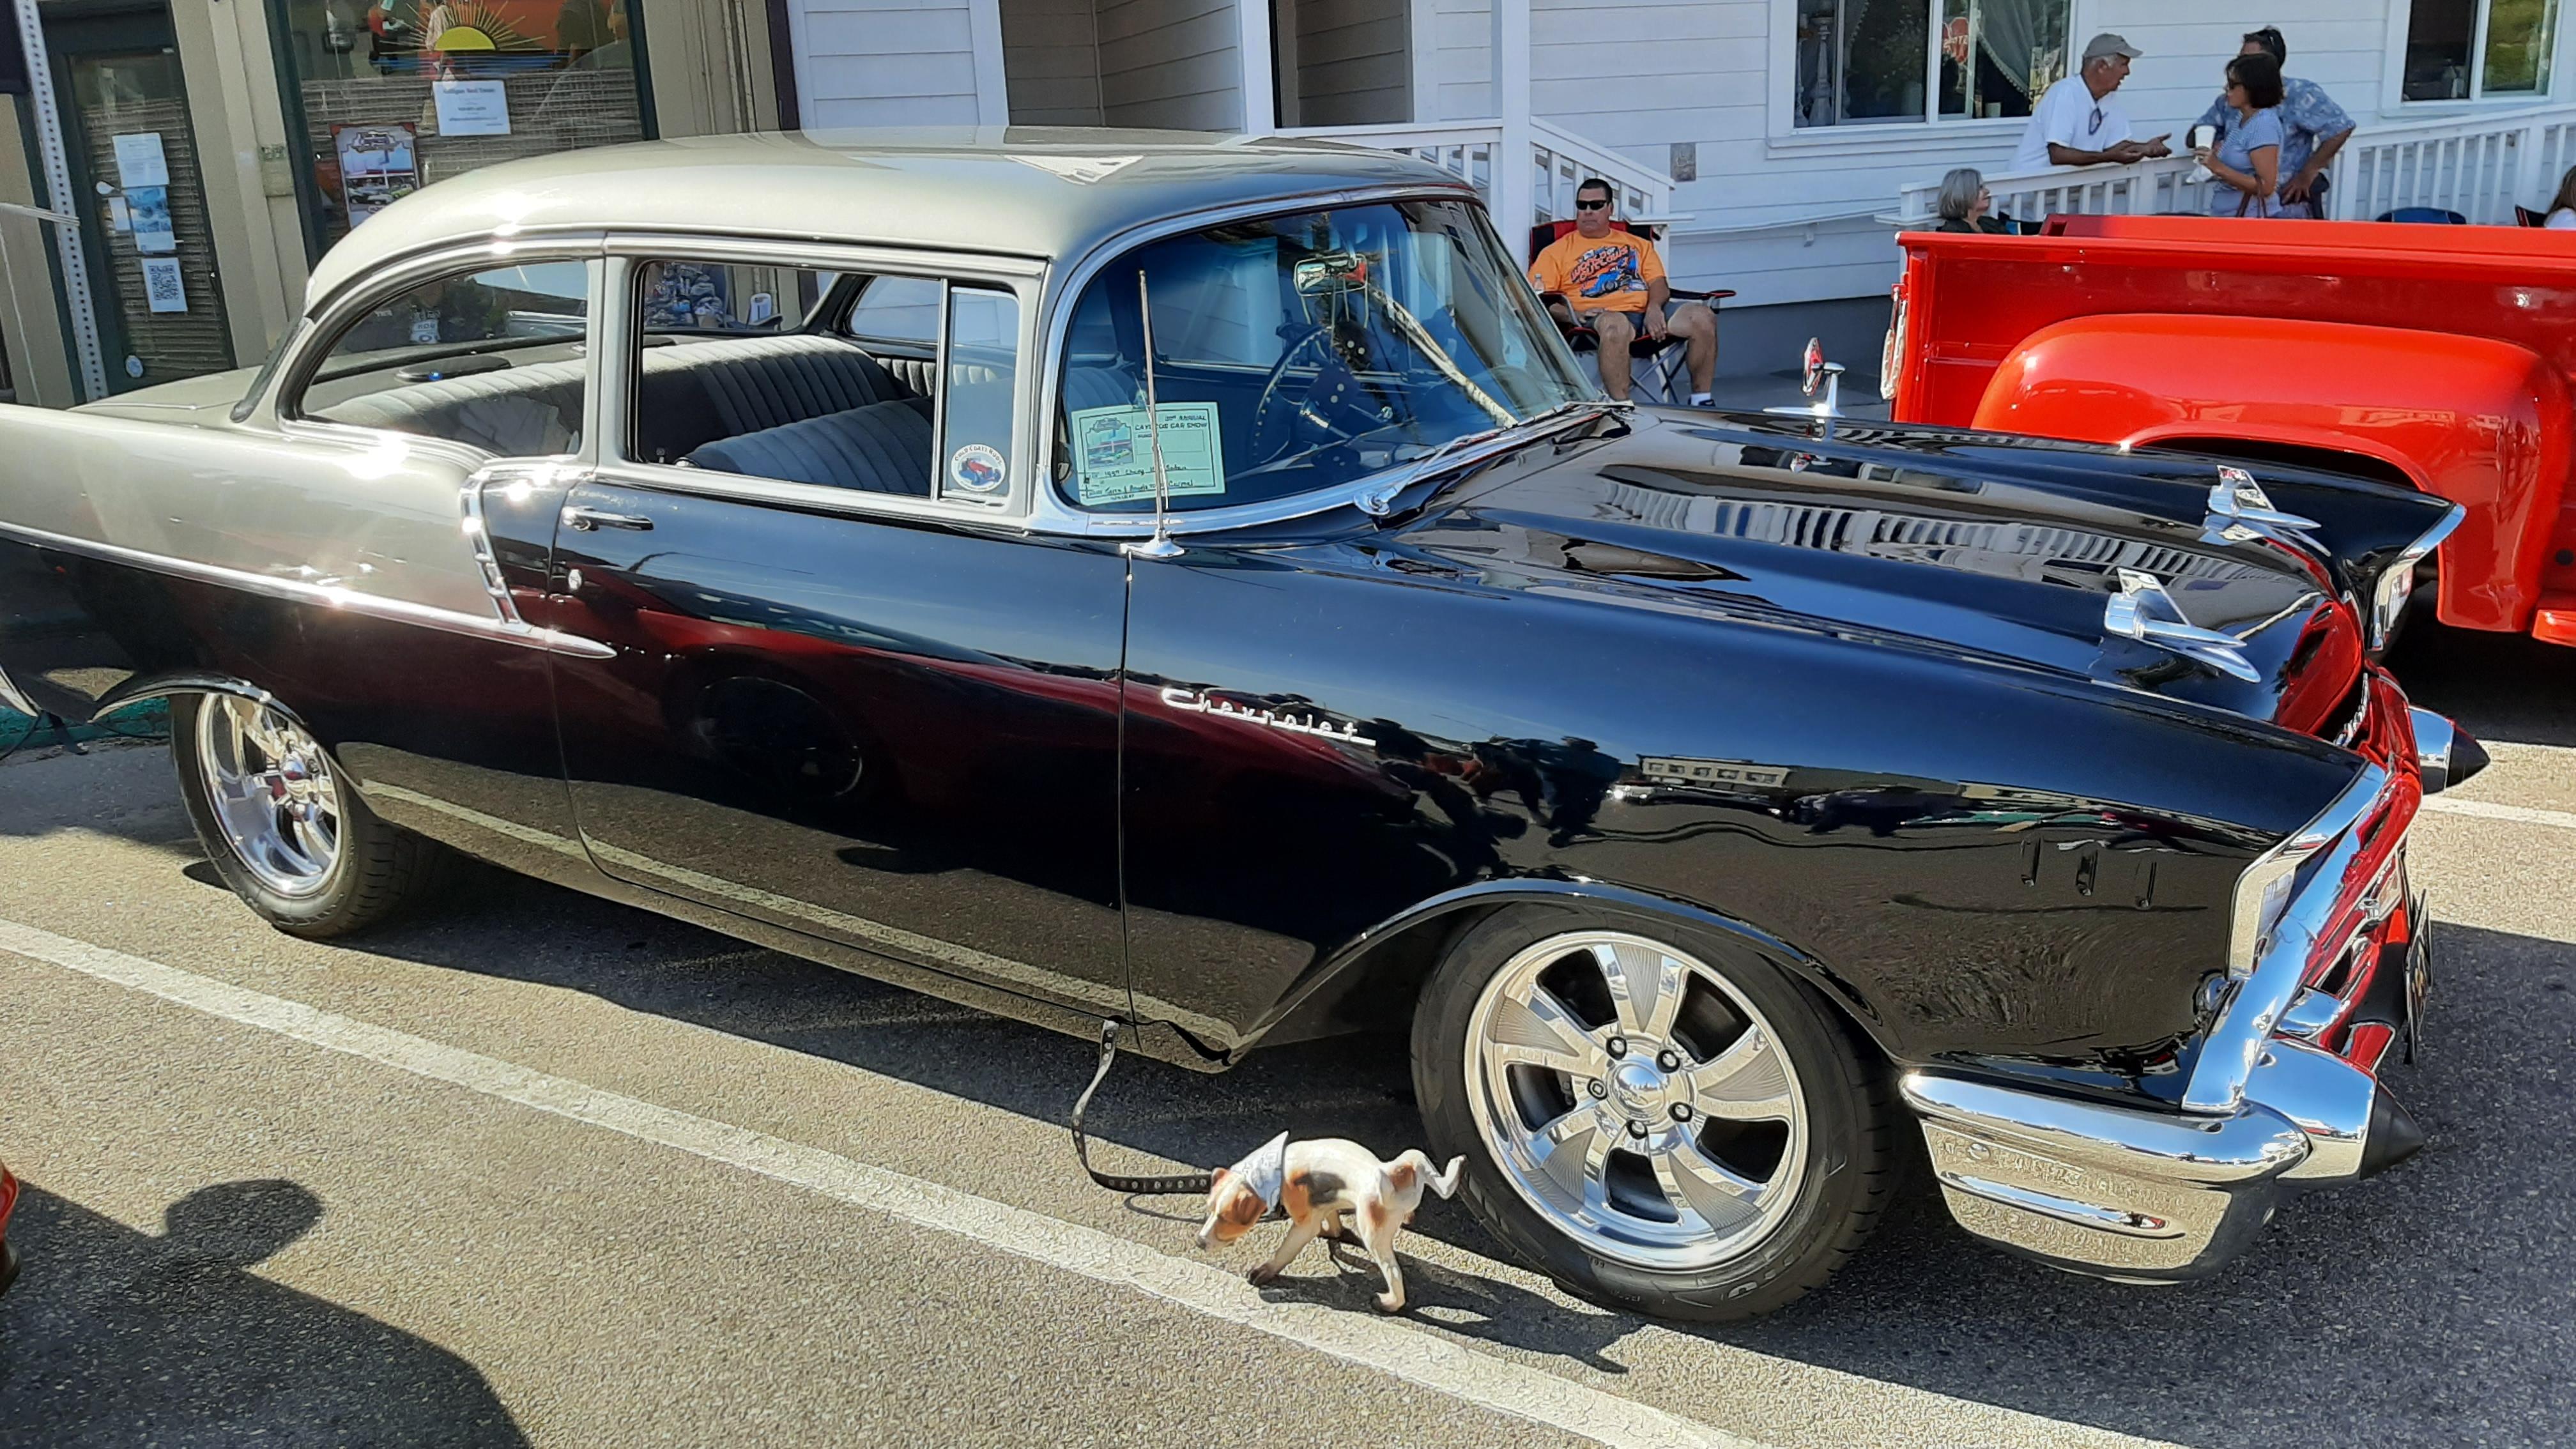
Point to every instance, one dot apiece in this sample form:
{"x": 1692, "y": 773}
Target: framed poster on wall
{"x": 379, "y": 165}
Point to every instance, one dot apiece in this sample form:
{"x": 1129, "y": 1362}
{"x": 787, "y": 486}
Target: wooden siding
{"x": 1170, "y": 63}
{"x": 884, "y": 62}
{"x": 1354, "y": 62}
{"x": 1051, "y": 56}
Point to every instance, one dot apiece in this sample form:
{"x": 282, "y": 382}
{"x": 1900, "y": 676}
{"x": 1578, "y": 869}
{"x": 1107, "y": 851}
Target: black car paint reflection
{"x": 1858, "y": 712}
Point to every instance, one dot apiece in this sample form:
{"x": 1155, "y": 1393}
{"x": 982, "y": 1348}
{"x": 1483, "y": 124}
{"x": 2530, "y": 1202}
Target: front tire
{"x": 284, "y": 831}
{"x": 1654, "y": 1114}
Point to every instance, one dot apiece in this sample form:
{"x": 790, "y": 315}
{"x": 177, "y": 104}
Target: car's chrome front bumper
{"x": 2161, "y": 1197}
{"x": 2157, "y": 1196}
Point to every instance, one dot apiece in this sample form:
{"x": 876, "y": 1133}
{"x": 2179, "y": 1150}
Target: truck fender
{"x": 2469, "y": 419}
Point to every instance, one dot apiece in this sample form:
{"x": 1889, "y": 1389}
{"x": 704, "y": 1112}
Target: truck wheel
{"x": 295, "y": 843}
{"x": 1659, "y": 1118}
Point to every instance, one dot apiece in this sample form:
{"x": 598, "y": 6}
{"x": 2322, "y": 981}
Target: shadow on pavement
{"x": 2504, "y": 687}
{"x": 114, "y": 1337}
{"x": 2429, "y": 1298}
{"x": 2433, "y": 1300}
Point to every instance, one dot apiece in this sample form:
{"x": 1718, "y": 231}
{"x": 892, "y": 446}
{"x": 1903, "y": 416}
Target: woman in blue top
{"x": 2246, "y": 162}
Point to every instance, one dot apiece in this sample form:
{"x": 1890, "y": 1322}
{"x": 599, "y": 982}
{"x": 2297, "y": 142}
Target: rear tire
{"x": 290, "y": 837}
{"x": 1654, "y": 1114}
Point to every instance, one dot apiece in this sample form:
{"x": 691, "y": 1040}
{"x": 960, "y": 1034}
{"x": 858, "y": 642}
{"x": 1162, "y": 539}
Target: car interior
{"x": 728, "y": 379}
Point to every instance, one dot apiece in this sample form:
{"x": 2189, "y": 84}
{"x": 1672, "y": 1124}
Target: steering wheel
{"x": 1331, "y": 406}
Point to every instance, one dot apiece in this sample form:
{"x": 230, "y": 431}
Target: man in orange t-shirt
{"x": 1613, "y": 282}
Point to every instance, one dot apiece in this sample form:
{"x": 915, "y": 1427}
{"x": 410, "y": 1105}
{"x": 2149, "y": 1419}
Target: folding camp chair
{"x": 1667, "y": 357}
{"x": 2525, "y": 216}
{"x": 2432, "y": 214}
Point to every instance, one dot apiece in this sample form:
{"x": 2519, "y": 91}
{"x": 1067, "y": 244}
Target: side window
{"x": 490, "y": 358}
{"x": 903, "y": 311}
{"x": 910, "y": 395}
{"x": 983, "y": 372}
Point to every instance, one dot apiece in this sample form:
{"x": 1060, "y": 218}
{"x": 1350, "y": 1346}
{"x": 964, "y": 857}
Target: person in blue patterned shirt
{"x": 2313, "y": 128}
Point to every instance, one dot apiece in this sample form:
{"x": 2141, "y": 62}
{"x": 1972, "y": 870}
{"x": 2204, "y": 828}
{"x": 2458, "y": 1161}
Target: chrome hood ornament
{"x": 2143, "y": 611}
{"x": 1814, "y": 372}
{"x": 2240, "y": 512}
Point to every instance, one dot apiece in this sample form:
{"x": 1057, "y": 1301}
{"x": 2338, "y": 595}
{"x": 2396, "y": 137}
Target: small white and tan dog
{"x": 1328, "y": 1186}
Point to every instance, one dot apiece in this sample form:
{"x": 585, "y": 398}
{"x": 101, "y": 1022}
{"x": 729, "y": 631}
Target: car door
{"x": 848, "y": 695}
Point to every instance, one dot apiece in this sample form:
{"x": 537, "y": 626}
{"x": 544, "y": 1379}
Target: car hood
{"x": 1754, "y": 519}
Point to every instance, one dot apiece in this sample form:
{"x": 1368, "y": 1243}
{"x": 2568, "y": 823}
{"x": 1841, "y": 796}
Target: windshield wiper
{"x": 1377, "y": 502}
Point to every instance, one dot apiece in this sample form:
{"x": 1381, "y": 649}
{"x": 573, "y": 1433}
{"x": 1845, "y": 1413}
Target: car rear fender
{"x": 2476, "y": 421}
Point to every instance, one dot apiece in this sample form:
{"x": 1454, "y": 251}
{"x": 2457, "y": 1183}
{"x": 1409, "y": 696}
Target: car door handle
{"x": 583, "y": 520}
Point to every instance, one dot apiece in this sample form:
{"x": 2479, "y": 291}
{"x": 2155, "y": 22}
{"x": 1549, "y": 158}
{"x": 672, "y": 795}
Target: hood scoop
{"x": 2143, "y": 611}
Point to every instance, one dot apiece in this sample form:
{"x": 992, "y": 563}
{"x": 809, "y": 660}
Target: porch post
{"x": 1515, "y": 182}
{"x": 56, "y": 172}
{"x": 1252, "y": 23}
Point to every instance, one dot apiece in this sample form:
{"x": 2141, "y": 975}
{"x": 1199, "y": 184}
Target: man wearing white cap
{"x": 2077, "y": 124}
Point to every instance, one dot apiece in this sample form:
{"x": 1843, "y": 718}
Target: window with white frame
{"x": 2467, "y": 50}
{"x": 1873, "y": 61}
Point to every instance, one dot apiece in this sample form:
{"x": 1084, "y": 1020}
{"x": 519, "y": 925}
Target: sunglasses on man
{"x": 1601, "y": 205}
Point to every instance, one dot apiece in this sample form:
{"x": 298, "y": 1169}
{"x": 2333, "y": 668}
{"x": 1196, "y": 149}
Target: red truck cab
{"x": 2433, "y": 356}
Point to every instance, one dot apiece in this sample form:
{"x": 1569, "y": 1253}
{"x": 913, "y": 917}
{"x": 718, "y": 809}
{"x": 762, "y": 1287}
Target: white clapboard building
{"x": 1784, "y": 139}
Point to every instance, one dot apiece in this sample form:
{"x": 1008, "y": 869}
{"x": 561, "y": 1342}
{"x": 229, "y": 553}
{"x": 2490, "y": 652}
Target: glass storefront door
{"x": 394, "y": 95}
{"x": 132, "y": 155}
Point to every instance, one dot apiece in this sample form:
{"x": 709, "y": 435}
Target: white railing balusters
{"x": 2477, "y": 166}
{"x": 1557, "y": 163}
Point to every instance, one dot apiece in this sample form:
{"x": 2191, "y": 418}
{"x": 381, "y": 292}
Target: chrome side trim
{"x": 2397, "y": 582}
{"x": 2265, "y": 984}
{"x": 509, "y": 631}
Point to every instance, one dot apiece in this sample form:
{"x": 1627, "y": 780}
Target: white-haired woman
{"x": 1964, "y": 203}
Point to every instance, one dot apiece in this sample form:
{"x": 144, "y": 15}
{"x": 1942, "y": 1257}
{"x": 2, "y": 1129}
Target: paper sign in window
{"x": 148, "y": 217}
{"x": 140, "y": 161}
{"x": 471, "y": 108}
{"x": 1113, "y": 452}
{"x": 162, "y": 289}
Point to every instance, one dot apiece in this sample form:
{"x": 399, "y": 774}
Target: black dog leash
{"x": 1174, "y": 1184}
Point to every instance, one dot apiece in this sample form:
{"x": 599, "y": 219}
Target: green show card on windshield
{"x": 1114, "y": 455}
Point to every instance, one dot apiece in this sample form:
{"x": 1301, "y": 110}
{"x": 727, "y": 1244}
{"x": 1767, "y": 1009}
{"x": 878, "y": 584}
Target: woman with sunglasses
{"x": 2245, "y": 164}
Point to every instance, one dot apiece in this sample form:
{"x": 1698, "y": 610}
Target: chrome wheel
{"x": 273, "y": 795}
{"x": 1636, "y": 1099}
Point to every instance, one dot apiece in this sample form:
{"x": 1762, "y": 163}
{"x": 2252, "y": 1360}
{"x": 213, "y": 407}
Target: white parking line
{"x": 1390, "y": 1346}
{"x": 2520, "y": 814}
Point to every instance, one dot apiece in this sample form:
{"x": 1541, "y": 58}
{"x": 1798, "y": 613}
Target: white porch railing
{"x": 1557, "y": 163}
{"x": 2477, "y": 166}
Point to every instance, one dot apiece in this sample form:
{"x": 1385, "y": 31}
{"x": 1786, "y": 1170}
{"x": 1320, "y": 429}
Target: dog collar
{"x": 1265, "y": 1170}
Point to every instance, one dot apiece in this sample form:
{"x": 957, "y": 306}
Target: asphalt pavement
{"x": 544, "y": 1170}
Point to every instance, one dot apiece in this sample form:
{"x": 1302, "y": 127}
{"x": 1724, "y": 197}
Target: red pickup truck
{"x": 2433, "y": 356}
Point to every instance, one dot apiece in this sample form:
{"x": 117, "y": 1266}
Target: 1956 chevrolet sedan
{"x": 1102, "y": 576}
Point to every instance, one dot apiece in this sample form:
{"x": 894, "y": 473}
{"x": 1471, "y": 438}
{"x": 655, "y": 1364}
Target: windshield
{"x": 1300, "y": 352}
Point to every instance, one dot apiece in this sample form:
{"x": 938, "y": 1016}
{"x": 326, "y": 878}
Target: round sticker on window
{"x": 977, "y": 468}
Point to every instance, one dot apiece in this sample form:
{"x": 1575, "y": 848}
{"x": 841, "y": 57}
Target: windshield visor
{"x": 1300, "y": 353}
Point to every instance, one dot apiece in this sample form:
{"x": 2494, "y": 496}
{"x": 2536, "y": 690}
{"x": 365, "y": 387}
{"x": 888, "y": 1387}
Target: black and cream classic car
{"x": 1186, "y": 582}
